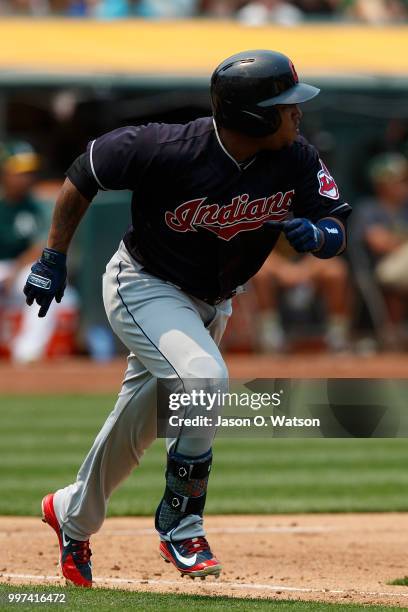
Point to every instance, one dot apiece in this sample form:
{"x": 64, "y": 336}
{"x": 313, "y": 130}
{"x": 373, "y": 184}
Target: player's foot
{"x": 75, "y": 555}
{"x": 192, "y": 557}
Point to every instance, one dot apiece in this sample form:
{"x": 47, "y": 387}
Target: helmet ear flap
{"x": 248, "y": 122}
{"x": 258, "y": 125}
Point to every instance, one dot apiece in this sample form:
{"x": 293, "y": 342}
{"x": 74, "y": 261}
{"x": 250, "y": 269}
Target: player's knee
{"x": 206, "y": 367}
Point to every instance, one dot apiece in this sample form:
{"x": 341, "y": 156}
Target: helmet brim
{"x": 301, "y": 92}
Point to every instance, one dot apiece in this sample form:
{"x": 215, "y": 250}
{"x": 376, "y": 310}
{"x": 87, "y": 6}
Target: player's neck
{"x": 239, "y": 146}
{"x": 242, "y": 147}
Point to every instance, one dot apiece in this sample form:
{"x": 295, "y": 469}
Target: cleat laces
{"x": 195, "y": 545}
{"x": 81, "y": 551}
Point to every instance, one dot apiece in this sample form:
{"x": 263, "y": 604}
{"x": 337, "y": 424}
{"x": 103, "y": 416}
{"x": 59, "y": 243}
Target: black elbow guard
{"x": 80, "y": 174}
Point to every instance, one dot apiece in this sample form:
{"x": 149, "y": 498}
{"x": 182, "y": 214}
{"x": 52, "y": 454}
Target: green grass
{"x": 108, "y": 599}
{"x": 44, "y": 439}
{"x": 400, "y": 581}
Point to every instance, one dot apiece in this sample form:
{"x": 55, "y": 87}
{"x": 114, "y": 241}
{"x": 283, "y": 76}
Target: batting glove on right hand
{"x": 303, "y": 235}
{"x": 47, "y": 280}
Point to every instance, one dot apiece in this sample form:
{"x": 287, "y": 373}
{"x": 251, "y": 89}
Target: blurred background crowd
{"x": 250, "y": 12}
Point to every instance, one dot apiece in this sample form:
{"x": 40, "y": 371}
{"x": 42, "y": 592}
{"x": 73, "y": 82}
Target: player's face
{"x": 16, "y": 185}
{"x": 289, "y": 128}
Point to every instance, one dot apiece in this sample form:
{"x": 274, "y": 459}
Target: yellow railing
{"x": 193, "y": 48}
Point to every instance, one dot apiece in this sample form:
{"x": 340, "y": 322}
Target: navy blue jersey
{"x": 198, "y": 214}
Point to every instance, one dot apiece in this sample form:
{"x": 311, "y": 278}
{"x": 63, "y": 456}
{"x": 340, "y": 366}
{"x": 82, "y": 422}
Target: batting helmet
{"x": 246, "y": 88}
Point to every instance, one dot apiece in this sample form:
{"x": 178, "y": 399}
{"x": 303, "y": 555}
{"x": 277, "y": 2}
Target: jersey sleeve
{"x": 317, "y": 194}
{"x": 115, "y": 160}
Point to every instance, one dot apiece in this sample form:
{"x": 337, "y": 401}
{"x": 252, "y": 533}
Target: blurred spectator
{"x": 396, "y": 136}
{"x": 318, "y": 7}
{"x": 164, "y": 9}
{"x": 220, "y": 8}
{"x": 38, "y": 8}
{"x": 376, "y": 11}
{"x": 59, "y": 7}
{"x": 108, "y": 9}
{"x": 22, "y": 232}
{"x": 77, "y": 8}
{"x": 261, "y": 12}
{"x": 381, "y": 227}
{"x": 149, "y": 9}
{"x": 24, "y": 7}
{"x": 285, "y": 271}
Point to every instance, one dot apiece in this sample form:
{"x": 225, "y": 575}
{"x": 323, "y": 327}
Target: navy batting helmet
{"x": 247, "y": 87}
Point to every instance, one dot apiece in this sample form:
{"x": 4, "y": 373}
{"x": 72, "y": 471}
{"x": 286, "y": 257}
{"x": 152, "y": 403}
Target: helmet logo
{"x": 327, "y": 184}
{"x": 293, "y": 70}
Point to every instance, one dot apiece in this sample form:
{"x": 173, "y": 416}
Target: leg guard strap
{"x": 185, "y": 470}
{"x": 184, "y": 504}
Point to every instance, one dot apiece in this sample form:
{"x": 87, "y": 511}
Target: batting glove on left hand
{"x": 303, "y": 235}
{"x": 47, "y": 280}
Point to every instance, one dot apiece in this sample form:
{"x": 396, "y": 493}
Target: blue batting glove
{"x": 47, "y": 280}
{"x": 303, "y": 235}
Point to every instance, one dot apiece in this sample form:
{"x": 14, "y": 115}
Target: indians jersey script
{"x": 197, "y": 214}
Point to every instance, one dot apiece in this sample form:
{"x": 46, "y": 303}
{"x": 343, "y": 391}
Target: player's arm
{"x": 47, "y": 279}
{"x": 69, "y": 209}
{"x": 116, "y": 160}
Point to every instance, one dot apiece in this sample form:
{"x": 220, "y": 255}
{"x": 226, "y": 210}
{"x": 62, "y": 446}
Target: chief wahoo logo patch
{"x": 327, "y": 184}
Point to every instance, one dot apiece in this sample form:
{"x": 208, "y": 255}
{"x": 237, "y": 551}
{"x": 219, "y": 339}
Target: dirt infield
{"x": 84, "y": 376}
{"x": 344, "y": 558}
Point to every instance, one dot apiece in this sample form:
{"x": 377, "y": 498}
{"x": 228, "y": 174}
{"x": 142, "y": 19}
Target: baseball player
{"x": 210, "y": 199}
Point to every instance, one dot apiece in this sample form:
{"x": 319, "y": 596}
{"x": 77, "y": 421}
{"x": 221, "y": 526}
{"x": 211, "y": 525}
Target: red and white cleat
{"x": 192, "y": 557}
{"x": 75, "y": 555}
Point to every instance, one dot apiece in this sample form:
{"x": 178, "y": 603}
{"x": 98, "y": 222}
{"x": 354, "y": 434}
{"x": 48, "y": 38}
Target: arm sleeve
{"x": 317, "y": 194}
{"x": 79, "y": 173}
{"x": 116, "y": 160}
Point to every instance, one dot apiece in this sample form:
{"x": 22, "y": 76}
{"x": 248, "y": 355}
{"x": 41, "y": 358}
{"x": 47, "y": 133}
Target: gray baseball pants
{"x": 169, "y": 335}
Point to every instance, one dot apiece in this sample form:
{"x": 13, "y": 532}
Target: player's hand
{"x": 47, "y": 280}
{"x": 303, "y": 235}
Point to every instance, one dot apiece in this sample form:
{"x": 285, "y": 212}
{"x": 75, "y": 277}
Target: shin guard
{"x": 186, "y": 489}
